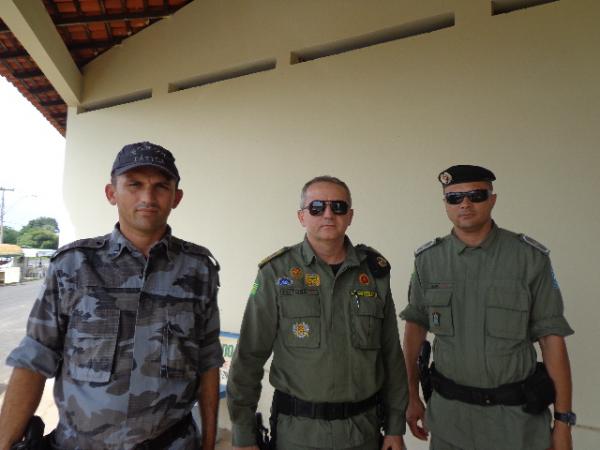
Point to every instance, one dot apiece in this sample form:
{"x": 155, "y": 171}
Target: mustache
{"x": 143, "y": 205}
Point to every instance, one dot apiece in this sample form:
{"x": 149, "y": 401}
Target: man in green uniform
{"x": 324, "y": 309}
{"x": 487, "y": 295}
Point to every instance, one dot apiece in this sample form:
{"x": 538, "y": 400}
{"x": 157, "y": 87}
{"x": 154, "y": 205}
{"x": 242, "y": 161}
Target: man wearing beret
{"x": 325, "y": 311}
{"x": 487, "y": 294}
{"x": 128, "y": 325}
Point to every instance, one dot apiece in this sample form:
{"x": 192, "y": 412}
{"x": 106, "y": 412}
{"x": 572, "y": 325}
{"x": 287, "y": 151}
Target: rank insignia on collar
{"x": 435, "y": 319}
{"x": 285, "y": 281}
{"x": 363, "y": 279}
{"x": 312, "y": 279}
{"x": 296, "y": 272}
{"x": 301, "y": 330}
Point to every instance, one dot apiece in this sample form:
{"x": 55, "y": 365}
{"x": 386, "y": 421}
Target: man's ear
{"x": 109, "y": 191}
{"x": 301, "y": 216}
{"x": 178, "y": 197}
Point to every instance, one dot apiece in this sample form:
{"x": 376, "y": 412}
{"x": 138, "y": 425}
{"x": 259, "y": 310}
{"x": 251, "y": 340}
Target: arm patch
{"x": 535, "y": 244}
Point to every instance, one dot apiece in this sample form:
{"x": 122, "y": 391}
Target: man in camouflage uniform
{"x": 128, "y": 325}
{"x": 324, "y": 309}
{"x": 487, "y": 295}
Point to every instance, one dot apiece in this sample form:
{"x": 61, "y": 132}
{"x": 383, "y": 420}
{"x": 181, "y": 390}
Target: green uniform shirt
{"x": 333, "y": 339}
{"x": 486, "y": 306}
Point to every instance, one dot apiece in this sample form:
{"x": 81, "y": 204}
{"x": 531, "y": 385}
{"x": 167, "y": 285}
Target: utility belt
{"x": 167, "y": 437}
{"x": 535, "y": 393}
{"x": 292, "y": 406}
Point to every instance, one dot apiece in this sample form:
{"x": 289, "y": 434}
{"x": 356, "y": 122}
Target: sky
{"x": 31, "y": 162}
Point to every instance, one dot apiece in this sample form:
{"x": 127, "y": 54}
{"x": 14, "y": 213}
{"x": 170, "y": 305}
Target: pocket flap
{"x": 438, "y": 297}
{"x": 370, "y": 307}
{"x": 301, "y": 306}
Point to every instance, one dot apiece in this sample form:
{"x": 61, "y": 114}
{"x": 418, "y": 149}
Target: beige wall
{"x": 516, "y": 92}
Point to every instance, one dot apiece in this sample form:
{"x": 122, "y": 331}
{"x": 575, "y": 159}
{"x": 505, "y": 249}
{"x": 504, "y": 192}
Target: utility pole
{"x": 3, "y": 190}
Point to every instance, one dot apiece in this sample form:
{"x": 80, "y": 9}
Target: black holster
{"x": 539, "y": 391}
{"x": 262, "y": 434}
{"x": 33, "y": 438}
{"x": 424, "y": 372}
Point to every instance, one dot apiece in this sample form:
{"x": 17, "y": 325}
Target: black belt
{"x": 511, "y": 394}
{"x": 166, "y": 438}
{"x": 292, "y": 406}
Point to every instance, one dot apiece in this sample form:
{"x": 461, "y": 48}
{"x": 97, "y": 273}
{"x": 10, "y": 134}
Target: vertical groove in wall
{"x": 403, "y": 31}
{"x": 227, "y": 74}
{"x": 116, "y": 101}
{"x": 506, "y": 6}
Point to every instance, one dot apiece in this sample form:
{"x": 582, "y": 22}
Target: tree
{"x": 10, "y": 235}
{"x": 37, "y": 238}
{"x": 48, "y": 223}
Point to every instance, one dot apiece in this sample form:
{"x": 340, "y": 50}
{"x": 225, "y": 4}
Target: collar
{"x": 459, "y": 246}
{"x": 118, "y": 243}
{"x": 352, "y": 256}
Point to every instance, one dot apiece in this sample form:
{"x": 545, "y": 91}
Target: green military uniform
{"x": 486, "y": 306}
{"x": 334, "y": 338}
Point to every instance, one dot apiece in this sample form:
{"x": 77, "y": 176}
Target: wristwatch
{"x": 570, "y": 418}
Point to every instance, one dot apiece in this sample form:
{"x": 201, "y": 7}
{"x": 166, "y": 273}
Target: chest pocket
{"x": 181, "y": 336}
{"x": 367, "y": 321}
{"x": 300, "y": 321}
{"x": 91, "y": 339}
{"x": 439, "y": 310}
{"x": 506, "y": 317}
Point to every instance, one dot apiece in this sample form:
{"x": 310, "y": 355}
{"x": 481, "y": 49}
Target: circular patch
{"x": 445, "y": 178}
{"x": 381, "y": 261}
{"x": 301, "y": 330}
{"x": 363, "y": 278}
{"x": 296, "y": 272}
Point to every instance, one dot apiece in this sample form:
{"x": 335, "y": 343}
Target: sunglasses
{"x": 475, "y": 196}
{"x": 317, "y": 207}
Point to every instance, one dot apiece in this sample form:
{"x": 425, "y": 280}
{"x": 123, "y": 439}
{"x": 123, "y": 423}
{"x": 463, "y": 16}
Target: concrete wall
{"x": 516, "y": 92}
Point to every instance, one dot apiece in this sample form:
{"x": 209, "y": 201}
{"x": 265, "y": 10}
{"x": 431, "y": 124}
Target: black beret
{"x": 465, "y": 174}
{"x": 143, "y": 154}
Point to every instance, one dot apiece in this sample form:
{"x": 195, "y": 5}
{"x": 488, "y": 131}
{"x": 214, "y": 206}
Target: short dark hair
{"x": 324, "y": 179}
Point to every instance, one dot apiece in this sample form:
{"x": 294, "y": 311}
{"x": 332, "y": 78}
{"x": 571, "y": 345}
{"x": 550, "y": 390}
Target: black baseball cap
{"x": 465, "y": 174}
{"x": 141, "y": 154}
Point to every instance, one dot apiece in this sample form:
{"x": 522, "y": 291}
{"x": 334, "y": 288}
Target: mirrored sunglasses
{"x": 317, "y": 207}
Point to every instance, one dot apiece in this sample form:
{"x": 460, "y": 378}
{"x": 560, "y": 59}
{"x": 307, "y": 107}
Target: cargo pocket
{"x": 506, "y": 318}
{"x": 301, "y": 321}
{"x": 180, "y": 351}
{"x": 90, "y": 345}
{"x": 439, "y": 309}
{"x": 367, "y": 321}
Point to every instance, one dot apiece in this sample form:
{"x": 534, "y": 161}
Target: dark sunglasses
{"x": 317, "y": 207}
{"x": 475, "y": 196}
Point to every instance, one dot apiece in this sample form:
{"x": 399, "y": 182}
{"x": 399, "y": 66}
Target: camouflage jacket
{"x": 126, "y": 338}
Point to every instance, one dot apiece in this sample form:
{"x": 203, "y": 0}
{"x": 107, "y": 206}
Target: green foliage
{"x": 47, "y": 223}
{"x": 10, "y": 236}
{"x": 37, "y": 238}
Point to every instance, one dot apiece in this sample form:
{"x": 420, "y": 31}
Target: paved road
{"x": 15, "y": 304}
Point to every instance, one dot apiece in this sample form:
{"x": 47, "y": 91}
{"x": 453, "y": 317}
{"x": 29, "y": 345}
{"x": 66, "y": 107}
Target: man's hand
{"x": 415, "y": 413}
{"x": 252, "y": 447}
{"x": 561, "y": 436}
{"x": 393, "y": 443}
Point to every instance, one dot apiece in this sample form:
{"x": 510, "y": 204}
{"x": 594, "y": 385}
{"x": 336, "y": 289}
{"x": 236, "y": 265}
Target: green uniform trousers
{"x": 283, "y": 445}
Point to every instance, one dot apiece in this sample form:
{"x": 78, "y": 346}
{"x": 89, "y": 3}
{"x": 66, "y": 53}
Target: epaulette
{"x": 427, "y": 246}
{"x": 378, "y": 265}
{"x": 271, "y": 257}
{"x": 195, "y": 249}
{"x": 534, "y": 244}
{"x": 95, "y": 243}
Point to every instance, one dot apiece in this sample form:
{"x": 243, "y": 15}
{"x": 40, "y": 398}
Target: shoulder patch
{"x": 378, "y": 265}
{"x": 534, "y": 244}
{"x": 196, "y": 249}
{"x": 97, "y": 242}
{"x": 272, "y": 256}
{"x": 427, "y": 246}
